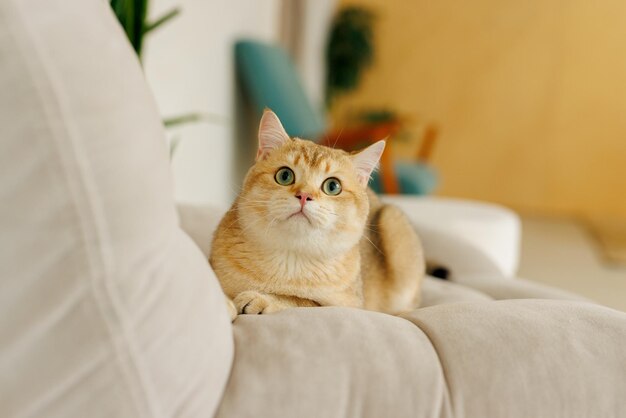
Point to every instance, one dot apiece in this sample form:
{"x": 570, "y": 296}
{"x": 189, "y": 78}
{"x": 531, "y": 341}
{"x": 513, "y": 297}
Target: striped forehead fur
{"x": 313, "y": 155}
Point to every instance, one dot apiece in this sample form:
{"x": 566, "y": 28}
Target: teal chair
{"x": 413, "y": 178}
{"x": 270, "y": 80}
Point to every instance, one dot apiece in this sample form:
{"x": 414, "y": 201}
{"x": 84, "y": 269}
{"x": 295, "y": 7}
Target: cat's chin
{"x": 299, "y": 217}
{"x": 299, "y": 227}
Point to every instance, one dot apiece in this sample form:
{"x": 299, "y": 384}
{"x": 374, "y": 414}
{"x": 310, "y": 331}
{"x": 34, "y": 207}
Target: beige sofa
{"x": 109, "y": 309}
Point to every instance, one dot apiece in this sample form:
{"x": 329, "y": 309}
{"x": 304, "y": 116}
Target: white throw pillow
{"x": 106, "y": 307}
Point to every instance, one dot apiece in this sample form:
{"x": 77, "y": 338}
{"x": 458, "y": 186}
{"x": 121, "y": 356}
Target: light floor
{"x": 561, "y": 253}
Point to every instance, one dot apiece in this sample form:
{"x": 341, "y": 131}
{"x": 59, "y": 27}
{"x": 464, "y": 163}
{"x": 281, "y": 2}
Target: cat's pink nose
{"x": 303, "y": 197}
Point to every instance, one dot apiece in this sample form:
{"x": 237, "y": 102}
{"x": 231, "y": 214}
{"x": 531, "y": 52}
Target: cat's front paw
{"x": 251, "y": 302}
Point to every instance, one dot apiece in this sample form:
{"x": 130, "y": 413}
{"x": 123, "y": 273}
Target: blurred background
{"x": 522, "y": 104}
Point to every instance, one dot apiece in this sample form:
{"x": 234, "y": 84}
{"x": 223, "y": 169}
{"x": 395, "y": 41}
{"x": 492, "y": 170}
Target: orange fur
{"x": 269, "y": 257}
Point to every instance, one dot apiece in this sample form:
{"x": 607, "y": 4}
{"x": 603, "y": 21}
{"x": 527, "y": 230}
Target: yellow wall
{"x": 530, "y": 96}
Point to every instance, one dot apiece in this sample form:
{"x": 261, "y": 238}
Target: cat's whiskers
{"x": 249, "y": 204}
{"x": 251, "y": 225}
{"x": 248, "y": 198}
{"x": 252, "y": 205}
{"x": 373, "y": 245}
{"x": 322, "y": 210}
{"x": 238, "y": 218}
{"x": 236, "y": 208}
{"x": 237, "y": 190}
{"x": 337, "y": 139}
{"x": 260, "y": 219}
{"x": 373, "y": 231}
{"x": 269, "y": 225}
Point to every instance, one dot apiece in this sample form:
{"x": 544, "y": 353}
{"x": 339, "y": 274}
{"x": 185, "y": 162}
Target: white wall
{"x": 189, "y": 65}
{"x": 310, "y": 54}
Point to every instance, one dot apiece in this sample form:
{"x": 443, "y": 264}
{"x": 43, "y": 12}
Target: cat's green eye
{"x": 285, "y": 176}
{"x": 331, "y": 186}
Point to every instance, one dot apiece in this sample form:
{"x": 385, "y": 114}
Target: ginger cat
{"x": 306, "y": 231}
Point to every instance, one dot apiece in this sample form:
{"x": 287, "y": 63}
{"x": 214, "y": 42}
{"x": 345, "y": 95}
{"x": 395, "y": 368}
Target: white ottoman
{"x": 493, "y": 230}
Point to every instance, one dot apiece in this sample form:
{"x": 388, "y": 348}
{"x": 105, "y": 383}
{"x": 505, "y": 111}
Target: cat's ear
{"x": 271, "y": 134}
{"x": 367, "y": 160}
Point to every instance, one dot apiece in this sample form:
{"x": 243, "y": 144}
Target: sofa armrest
{"x": 500, "y": 289}
{"x": 200, "y": 223}
{"x": 488, "y": 234}
{"x": 459, "y": 257}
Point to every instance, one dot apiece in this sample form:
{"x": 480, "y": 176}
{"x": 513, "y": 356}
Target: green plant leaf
{"x": 140, "y": 10}
{"x": 163, "y": 19}
{"x": 131, "y": 14}
{"x": 174, "y": 142}
{"x": 350, "y": 50}
{"x": 194, "y": 118}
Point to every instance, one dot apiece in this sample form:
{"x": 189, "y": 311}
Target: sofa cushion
{"x": 529, "y": 358}
{"x": 106, "y": 307}
{"x": 518, "y": 358}
{"x": 333, "y": 362}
